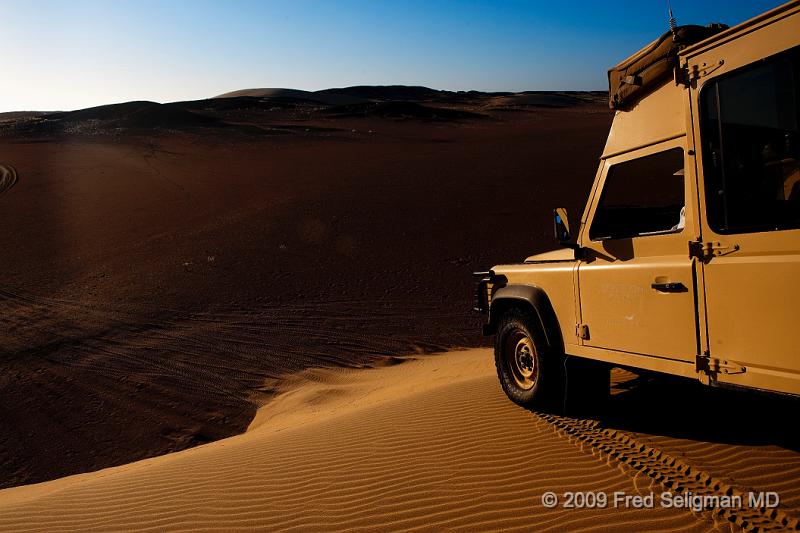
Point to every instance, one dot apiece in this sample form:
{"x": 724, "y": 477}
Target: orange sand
{"x": 427, "y": 444}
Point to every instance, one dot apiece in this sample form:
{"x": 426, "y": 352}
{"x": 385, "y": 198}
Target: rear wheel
{"x": 531, "y": 375}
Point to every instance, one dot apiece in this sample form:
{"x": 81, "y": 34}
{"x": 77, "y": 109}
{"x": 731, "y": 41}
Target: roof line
{"x": 722, "y": 36}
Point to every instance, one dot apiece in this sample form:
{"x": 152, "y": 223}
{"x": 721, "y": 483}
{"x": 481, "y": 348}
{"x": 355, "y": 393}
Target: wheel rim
{"x": 521, "y": 360}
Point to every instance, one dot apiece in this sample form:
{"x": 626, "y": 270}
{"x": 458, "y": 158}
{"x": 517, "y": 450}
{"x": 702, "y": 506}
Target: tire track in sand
{"x": 676, "y": 476}
{"x": 8, "y": 178}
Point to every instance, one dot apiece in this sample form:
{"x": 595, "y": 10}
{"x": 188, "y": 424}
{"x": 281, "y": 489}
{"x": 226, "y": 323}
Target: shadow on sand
{"x": 684, "y": 409}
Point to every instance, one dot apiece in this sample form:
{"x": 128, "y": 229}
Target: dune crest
{"x": 295, "y": 94}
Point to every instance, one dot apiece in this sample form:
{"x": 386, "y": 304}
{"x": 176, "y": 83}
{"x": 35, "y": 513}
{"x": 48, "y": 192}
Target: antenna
{"x": 672, "y": 22}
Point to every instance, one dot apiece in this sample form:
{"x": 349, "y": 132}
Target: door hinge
{"x": 582, "y": 331}
{"x": 712, "y": 365}
{"x": 704, "y": 251}
{"x": 681, "y": 75}
{"x": 725, "y": 367}
{"x": 686, "y": 75}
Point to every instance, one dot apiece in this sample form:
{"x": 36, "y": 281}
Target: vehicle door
{"x": 746, "y": 100}
{"x": 637, "y": 282}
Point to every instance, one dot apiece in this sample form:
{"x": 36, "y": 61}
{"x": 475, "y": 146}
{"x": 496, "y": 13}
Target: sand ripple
{"x": 429, "y": 444}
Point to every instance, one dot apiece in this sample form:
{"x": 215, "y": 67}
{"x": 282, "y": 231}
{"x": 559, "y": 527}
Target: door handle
{"x": 669, "y": 286}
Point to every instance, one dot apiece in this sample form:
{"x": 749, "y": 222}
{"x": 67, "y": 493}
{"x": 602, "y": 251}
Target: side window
{"x": 751, "y": 150}
{"x": 641, "y": 197}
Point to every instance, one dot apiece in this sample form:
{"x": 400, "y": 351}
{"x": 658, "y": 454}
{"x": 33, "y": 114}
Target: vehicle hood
{"x": 561, "y": 254}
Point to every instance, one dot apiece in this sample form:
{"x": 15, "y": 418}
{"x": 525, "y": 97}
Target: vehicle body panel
{"x": 556, "y": 280}
{"x": 654, "y": 119}
{"x": 619, "y": 305}
{"x": 746, "y": 287}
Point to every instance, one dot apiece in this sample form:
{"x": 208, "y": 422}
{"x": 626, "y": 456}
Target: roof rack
{"x": 653, "y": 65}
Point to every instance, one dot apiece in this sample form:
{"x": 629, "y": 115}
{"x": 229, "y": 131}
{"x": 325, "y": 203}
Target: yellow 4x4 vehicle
{"x": 687, "y": 257}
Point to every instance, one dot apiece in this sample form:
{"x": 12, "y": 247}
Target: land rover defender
{"x": 686, "y": 260}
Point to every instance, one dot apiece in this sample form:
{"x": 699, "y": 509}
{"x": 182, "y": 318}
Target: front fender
{"x": 533, "y": 299}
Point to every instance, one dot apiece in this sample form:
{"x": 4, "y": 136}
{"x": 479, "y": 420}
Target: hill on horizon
{"x": 273, "y": 110}
{"x": 360, "y": 94}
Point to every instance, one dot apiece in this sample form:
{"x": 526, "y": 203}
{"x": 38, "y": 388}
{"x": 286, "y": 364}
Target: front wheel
{"x": 530, "y": 374}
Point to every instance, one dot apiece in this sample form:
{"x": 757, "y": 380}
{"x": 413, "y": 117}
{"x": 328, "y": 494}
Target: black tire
{"x": 531, "y": 374}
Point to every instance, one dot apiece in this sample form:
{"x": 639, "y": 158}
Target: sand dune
{"x": 547, "y": 99}
{"x": 252, "y": 112}
{"x": 166, "y": 266}
{"x": 348, "y": 95}
{"x": 156, "y": 280}
{"x": 401, "y": 110}
{"x": 428, "y": 444}
{"x": 158, "y": 288}
{"x": 408, "y": 93}
{"x": 296, "y": 94}
{"x": 140, "y": 115}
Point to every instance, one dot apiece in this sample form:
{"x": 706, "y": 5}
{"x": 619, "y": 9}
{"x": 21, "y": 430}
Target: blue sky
{"x": 79, "y": 53}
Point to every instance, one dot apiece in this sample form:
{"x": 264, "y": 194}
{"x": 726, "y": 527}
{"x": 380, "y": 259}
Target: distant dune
{"x": 251, "y": 111}
{"x": 347, "y": 95}
{"x": 321, "y": 97}
{"x": 16, "y": 115}
{"x": 549, "y": 99}
{"x": 143, "y": 115}
{"x": 140, "y": 116}
{"x": 405, "y": 93}
{"x": 389, "y": 92}
{"x": 401, "y": 110}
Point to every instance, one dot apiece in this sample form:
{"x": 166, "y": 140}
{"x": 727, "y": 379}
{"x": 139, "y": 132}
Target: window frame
{"x": 711, "y": 85}
{"x": 627, "y": 157}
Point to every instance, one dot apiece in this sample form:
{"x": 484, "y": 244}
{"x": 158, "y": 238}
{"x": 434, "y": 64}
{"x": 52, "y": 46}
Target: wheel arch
{"x": 535, "y": 301}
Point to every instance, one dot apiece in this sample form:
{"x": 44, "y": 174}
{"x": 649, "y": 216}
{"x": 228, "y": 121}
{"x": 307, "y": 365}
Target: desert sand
{"x": 427, "y": 444}
{"x": 8, "y": 178}
{"x": 164, "y": 266}
{"x": 176, "y": 274}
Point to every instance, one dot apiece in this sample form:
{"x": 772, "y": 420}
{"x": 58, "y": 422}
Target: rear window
{"x": 751, "y": 150}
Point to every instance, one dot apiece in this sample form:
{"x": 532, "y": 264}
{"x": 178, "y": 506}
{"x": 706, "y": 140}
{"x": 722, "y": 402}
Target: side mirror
{"x": 561, "y": 225}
